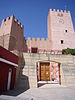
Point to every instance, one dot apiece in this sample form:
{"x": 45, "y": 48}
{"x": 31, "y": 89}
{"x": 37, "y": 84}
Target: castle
{"x": 60, "y": 33}
{"x": 38, "y": 68}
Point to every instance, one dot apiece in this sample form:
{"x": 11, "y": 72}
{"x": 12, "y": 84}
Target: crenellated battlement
{"x": 19, "y": 23}
{"x": 59, "y": 11}
{"x": 36, "y": 40}
{"x": 12, "y": 18}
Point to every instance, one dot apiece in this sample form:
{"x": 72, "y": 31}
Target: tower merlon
{"x": 54, "y": 10}
{"x": 8, "y": 18}
{"x": 33, "y": 39}
{"x": 38, "y": 39}
{"x": 29, "y": 38}
{"x": 16, "y": 20}
{"x": 68, "y": 11}
{"x": 62, "y": 11}
{"x": 22, "y": 26}
{"x": 42, "y": 39}
{"x": 57, "y": 10}
{"x": 50, "y": 10}
{"x": 19, "y": 23}
{"x": 65, "y": 11}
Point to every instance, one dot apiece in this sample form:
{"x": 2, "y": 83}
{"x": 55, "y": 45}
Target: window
{"x": 61, "y": 41}
{"x": 34, "y": 50}
{"x": 66, "y": 31}
{"x": 9, "y": 18}
{"x": 4, "y": 20}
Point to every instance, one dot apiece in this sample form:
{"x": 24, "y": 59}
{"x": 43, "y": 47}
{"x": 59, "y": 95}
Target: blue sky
{"x": 33, "y": 13}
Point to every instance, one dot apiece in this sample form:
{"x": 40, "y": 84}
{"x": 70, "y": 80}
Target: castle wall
{"x": 37, "y": 43}
{"x": 4, "y": 41}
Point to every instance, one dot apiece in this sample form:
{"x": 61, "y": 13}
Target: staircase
{"x": 69, "y": 74}
{"x": 28, "y": 77}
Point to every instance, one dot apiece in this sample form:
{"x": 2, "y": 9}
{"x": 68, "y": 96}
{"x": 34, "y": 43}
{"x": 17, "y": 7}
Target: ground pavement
{"x": 45, "y": 92}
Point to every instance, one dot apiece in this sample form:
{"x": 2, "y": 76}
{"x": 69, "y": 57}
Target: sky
{"x": 33, "y": 13}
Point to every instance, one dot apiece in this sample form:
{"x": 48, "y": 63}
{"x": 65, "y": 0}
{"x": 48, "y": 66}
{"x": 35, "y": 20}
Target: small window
{"x": 9, "y": 18}
{"x": 34, "y": 50}
{"x": 66, "y": 31}
{"x": 4, "y": 20}
{"x": 61, "y": 41}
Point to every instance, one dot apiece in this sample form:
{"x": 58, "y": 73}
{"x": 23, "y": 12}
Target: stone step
{"x": 70, "y": 80}
{"x": 59, "y": 58}
{"x": 26, "y": 55}
{"x": 69, "y": 68}
{"x": 69, "y": 73}
{"x": 68, "y": 65}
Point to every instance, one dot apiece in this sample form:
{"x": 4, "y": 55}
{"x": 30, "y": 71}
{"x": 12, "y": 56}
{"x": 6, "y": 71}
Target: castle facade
{"x": 60, "y": 33}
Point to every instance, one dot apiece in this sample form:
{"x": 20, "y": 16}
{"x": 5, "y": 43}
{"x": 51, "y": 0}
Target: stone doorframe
{"x": 56, "y": 72}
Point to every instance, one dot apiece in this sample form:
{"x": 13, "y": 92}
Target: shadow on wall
{"x": 15, "y": 45}
{"x": 24, "y": 79}
{"x": 22, "y": 84}
{"x": 25, "y": 46}
{"x": 17, "y": 91}
{"x": 12, "y": 45}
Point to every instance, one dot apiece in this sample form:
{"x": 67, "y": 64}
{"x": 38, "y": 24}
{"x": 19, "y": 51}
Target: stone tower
{"x": 60, "y": 29}
{"x": 11, "y": 34}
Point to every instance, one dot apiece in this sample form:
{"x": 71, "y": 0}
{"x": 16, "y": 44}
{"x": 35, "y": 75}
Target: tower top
{"x": 61, "y": 11}
{"x": 14, "y": 19}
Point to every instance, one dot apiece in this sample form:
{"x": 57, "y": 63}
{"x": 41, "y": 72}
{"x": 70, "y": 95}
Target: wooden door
{"x": 42, "y": 72}
{"x": 45, "y": 72}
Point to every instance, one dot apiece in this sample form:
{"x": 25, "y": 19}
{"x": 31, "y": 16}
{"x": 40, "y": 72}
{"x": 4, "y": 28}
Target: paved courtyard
{"x": 45, "y": 92}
